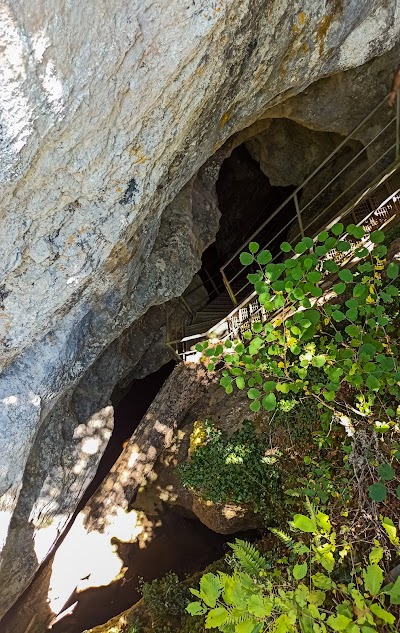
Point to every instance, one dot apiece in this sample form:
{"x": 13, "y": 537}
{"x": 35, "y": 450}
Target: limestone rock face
{"x": 107, "y": 112}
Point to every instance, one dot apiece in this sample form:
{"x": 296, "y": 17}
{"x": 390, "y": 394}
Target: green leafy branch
{"x": 353, "y": 342}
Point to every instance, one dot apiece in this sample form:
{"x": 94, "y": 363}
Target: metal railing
{"x": 375, "y": 206}
{"x": 379, "y": 207}
{"x": 385, "y": 143}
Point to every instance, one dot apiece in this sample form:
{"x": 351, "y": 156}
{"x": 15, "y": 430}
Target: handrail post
{"x": 228, "y": 287}
{"x": 298, "y": 213}
{"x": 398, "y": 125}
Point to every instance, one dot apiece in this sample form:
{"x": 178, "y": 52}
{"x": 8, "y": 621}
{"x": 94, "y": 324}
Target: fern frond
{"x": 236, "y": 619}
{"x": 311, "y": 510}
{"x": 282, "y": 536}
{"x": 249, "y": 558}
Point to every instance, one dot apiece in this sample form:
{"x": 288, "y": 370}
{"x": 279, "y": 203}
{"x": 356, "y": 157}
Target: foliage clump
{"x": 352, "y": 335}
{"x": 165, "y": 596}
{"x": 326, "y": 585}
{"x": 233, "y": 469}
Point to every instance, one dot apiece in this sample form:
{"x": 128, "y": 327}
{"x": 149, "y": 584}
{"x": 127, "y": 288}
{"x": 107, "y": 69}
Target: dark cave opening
{"x": 128, "y": 413}
{"x": 246, "y": 199}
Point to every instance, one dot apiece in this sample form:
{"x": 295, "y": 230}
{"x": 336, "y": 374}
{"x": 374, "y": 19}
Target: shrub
{"x": 233, "y": 469}
{"x": 165, "y": 597}
{"x": 331, "y": 587}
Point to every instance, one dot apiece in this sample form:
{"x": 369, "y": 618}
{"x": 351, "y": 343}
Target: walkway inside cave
{"x": 245, "y": 199}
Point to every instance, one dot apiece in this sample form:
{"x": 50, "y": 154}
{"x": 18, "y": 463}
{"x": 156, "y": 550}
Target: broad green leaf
{"x": 195, "y": 608}
{"x": 330, "y": 266}
{"x": 367, "y": 350}
{"x": 255, "y": 406}
{"x": 391, "y": 531}
{"x": 246, "y": 259}
{"x": 257, "y": 327}
{"x": 253, "y": 247}
{"x": 210, "y": 588}
{"x": 300, "y": 248}
{"x": 324, "y": 522}
{"x": 313, "y": 315}
{"x": 373, "y": 579}
{"x": 337, "y": 315}
{"x": 386, "y": 472}
{"x": 216, "y": 617}
{"x": 393, "y": 590}
{"x": 352, "y": 314}
{"x": 360, "y": 290}
{"x": 314, "y": 276}
{"x": 358, "y": 232}
{"x": 373, "y": 383}
{"x": 269, "y": 385}
{"x": 283, "y": 624}
{"x": 285, "y": 247}
{"x": 269, "y": 401}
{"x": 376, "y": 554}
{"x": 303, "y": 523}
{"x": 377, "y": 492}
{"x": 392, "y": 270}
{"x": 225, "y": 381}
{"x": 233, "y": 593}
{"x": 361, "y": 252}
{"x": 258, "y": 606}
{"x": 321, "y": 581}
{"x": 345, "y": 275}
{"x": 377, "y": 237}
{"x": 343, "y": 246}
{"x": 253, "y": 394}
{"x": 337, "y": 229}
{"x": 319, "y": 361}
{"x": 264, "y": 258}
{"x": 338, "y": 622}
{"x": 326, "y": 559}
{"x": 323, "y": 236}
{"x": 298, "y": 293}
{"x": 339, "y": 288}
{"x": 382, "y": 614}
{"x": 240, "y": 383}
{"x": 256, "y": 278}
{"x": 299, "y": 571}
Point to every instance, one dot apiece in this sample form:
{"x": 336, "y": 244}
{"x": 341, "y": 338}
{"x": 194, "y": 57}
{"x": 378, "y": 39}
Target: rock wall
{"x": 108, "y": 111}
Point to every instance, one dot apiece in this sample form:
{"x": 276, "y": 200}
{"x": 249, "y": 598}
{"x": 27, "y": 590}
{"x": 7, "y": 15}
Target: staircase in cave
{"x": 372, "y": 200}
{"x": 214, "y": 312}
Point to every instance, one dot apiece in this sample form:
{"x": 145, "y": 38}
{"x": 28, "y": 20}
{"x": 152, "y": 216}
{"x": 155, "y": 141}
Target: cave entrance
{"x": 246, "y": 199}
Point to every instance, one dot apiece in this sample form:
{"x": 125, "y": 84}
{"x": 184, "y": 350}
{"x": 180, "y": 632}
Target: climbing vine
{"x": 346, "y": 328}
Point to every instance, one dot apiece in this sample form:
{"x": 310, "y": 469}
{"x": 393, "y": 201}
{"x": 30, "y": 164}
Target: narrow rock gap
{"x": 127, "y": 414}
